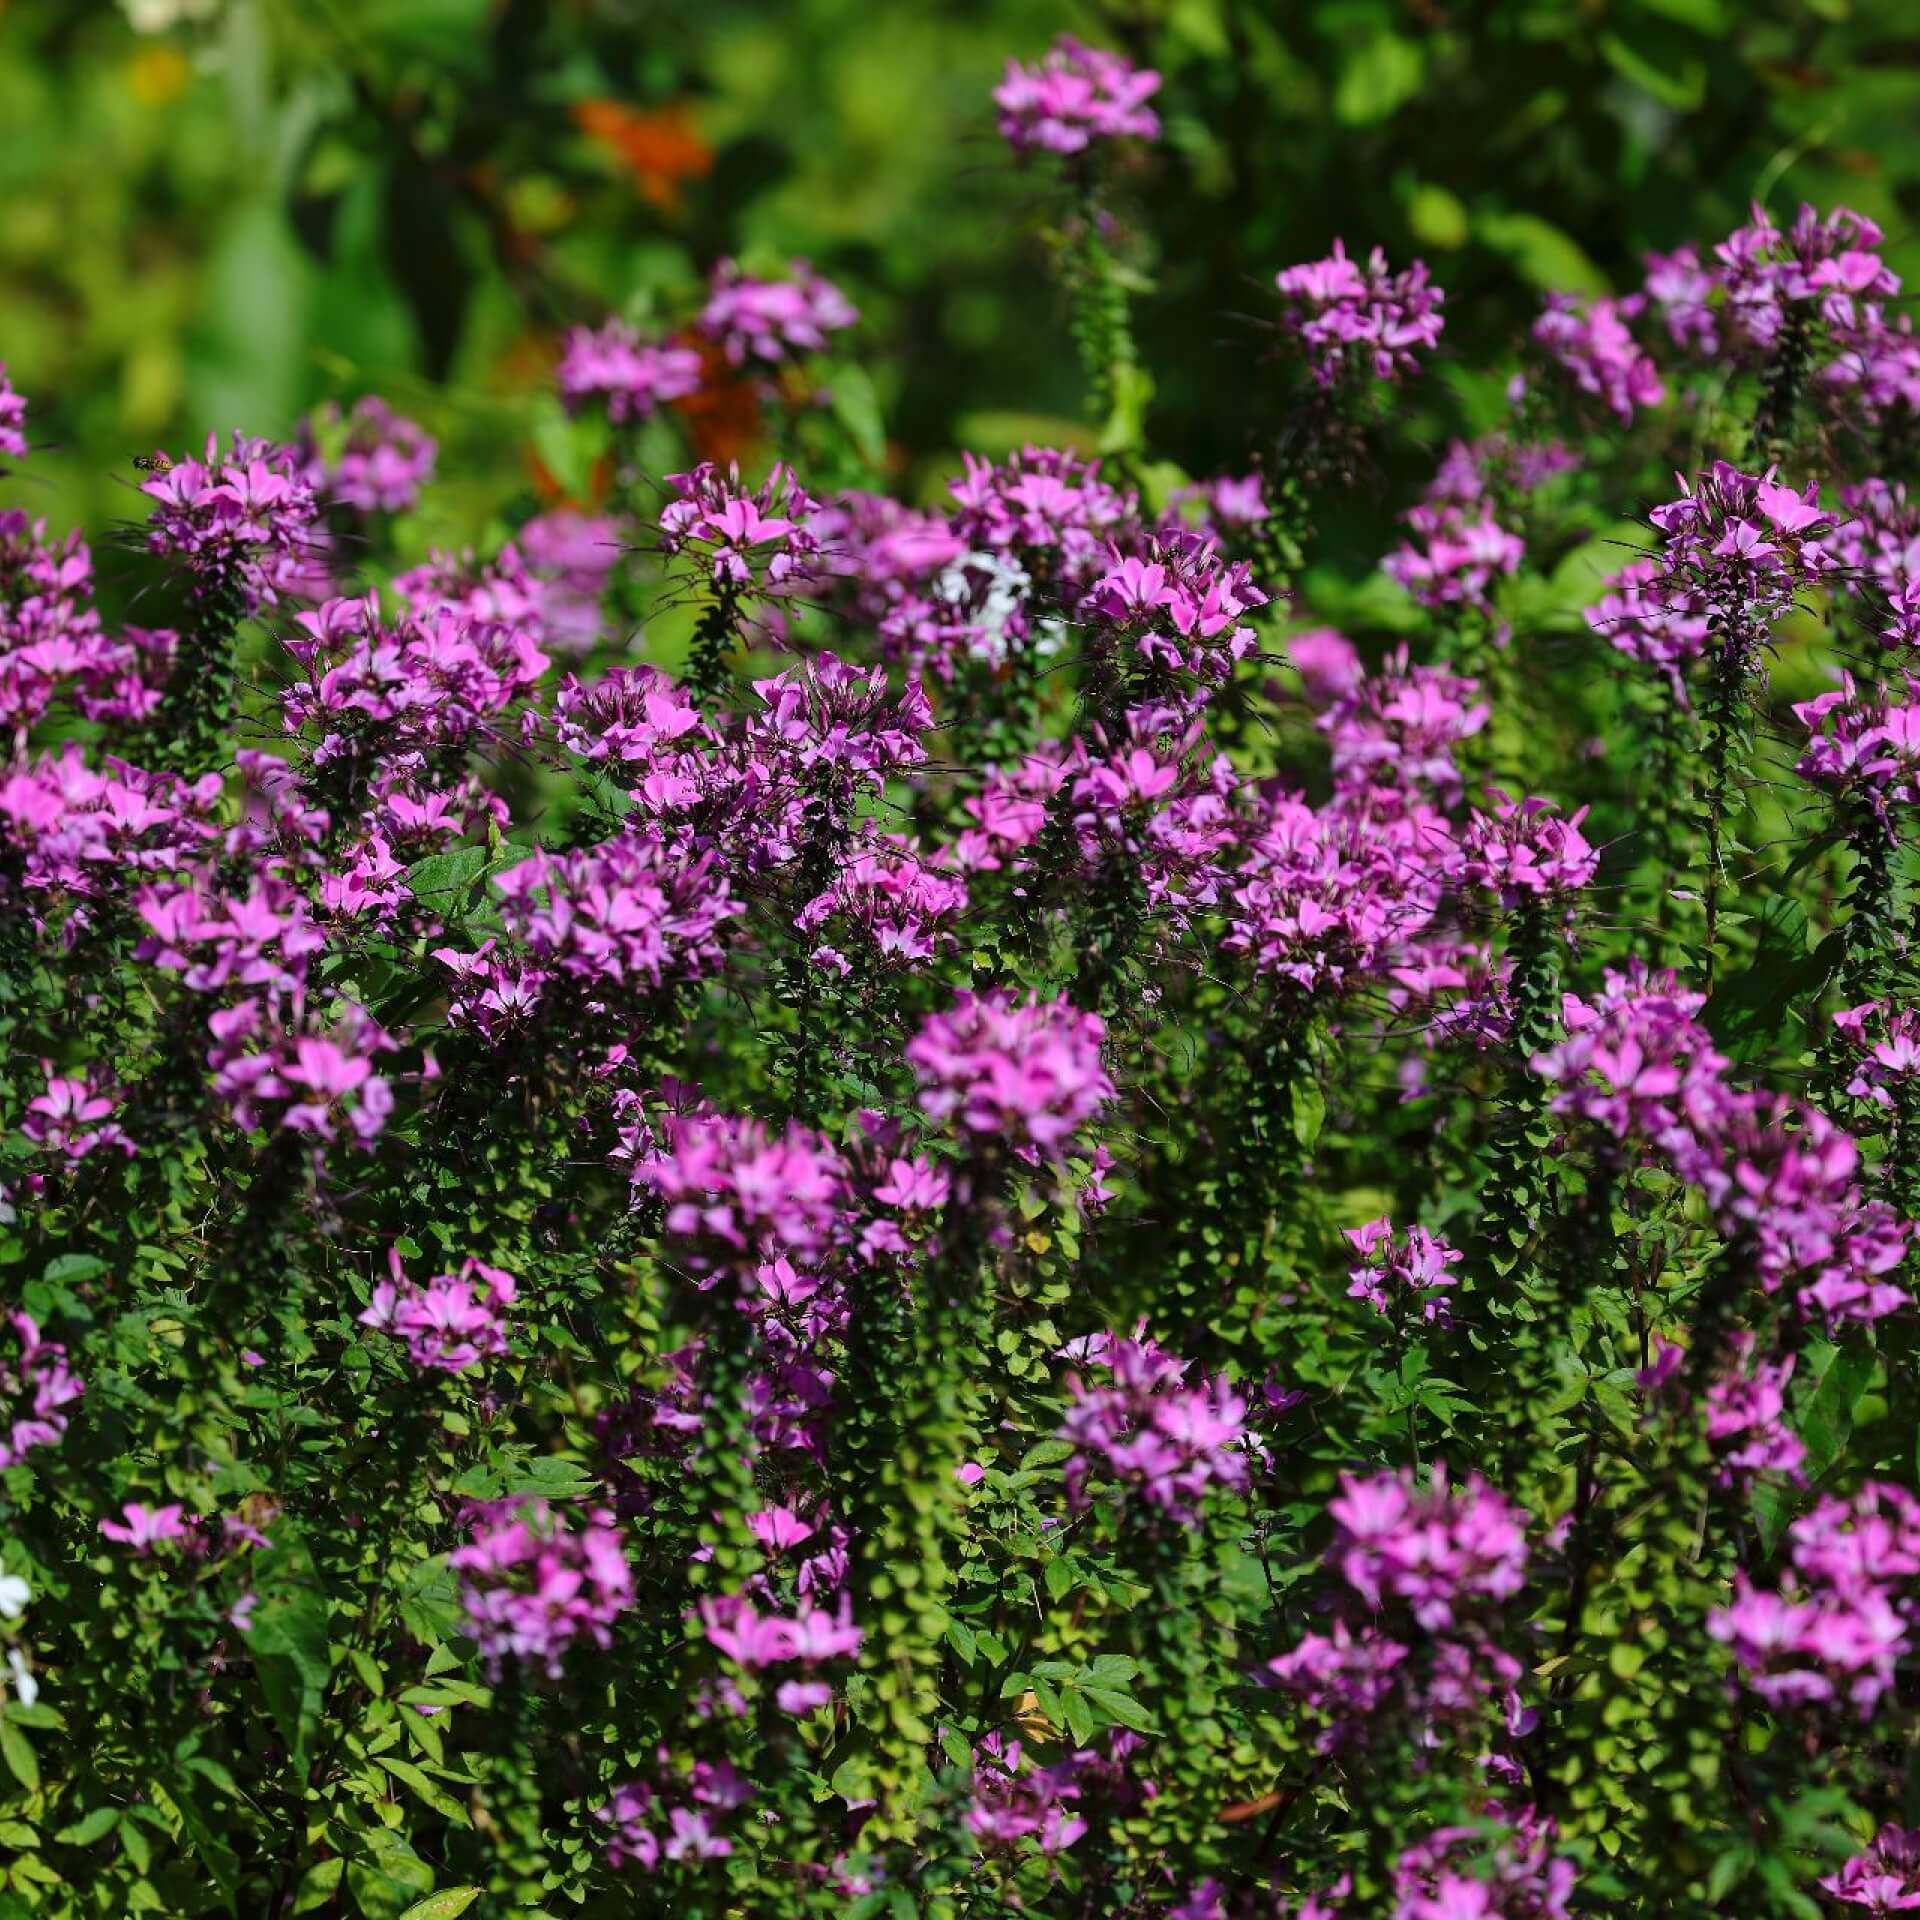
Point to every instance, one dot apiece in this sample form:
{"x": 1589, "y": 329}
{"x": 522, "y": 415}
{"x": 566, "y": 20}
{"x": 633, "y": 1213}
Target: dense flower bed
{"x": 1033, "y": 1237}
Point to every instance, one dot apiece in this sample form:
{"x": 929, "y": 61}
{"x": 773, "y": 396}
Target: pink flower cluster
{"x": 373, "y": 460}
{"x": 738, "y": 1196}
{"x": 1024, "y": 1075}
{"x": 1655, "y": 619}
{"x": 634, "y": 1811}
{"x": 1469, "y": 1873}
{"x": 1522, "y": 850}
{"x": 1889, "y": 1058}
{"x": 246, "y": 517}
{"x": 1835, "y": 1632}
{"x": 52, "y": 645}
{"x": 1883, "y": 1879}
{"x": 1746, "y": 1417}
{"x": 1819, "y": 269}
{"x": 13, "y": 419}
{"x": 1048, "y": 510}
{"x": 1074, "y": 95}
{"x": 1423, "y": 1573}
{"x": 1013, "y": 1800}
{"x": 309, "y": 1082}
{"x": 1181, "y": 608}
{"x": 607, "y": 927}
{"x": 1144, "y": 1429}
{"x": 756, "y": 1641}
{"x": 762, "y": 539}
{"x": 1594, "y": 344}
{"x": 1457, "y": 555}
{"x": 451, "y": 1323}
{"x": 39, "y": 1386}
{"x": 1865, "y": 745}
{"x": 531, "y": 1586}
{"x": 1638, "y": 1065}
{"x": 1744, "y": 542}
{"x": 74, "y": 1118}
{"x": 1401, "y": 1271}
{"x": 772, "y": 321}
{"x": 1355, "y": 319}
{"x": 1435, "y": 1549}
{"x": 631, "y": 378}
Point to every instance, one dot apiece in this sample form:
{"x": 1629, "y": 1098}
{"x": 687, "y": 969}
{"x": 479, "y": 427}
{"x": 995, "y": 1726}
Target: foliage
{"x": 784, "y": 1188}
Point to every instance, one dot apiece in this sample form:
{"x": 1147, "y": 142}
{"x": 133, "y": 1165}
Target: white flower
{"x": 14, "y": 1595}
{"x": 24, "y": 1684}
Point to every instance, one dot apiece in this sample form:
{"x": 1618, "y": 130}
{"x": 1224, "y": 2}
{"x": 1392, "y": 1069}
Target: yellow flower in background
{"x": 158, "y": 75}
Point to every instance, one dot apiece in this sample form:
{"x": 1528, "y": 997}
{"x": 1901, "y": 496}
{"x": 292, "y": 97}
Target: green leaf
{"x": 1539, "y": 251}
{"x": 1309, "y": 1111}
{"x": 1675, "y": 79}
{"x": 319, "y": 1884}
{"x": 442, "y": 879}
{"x": 18, "y": 1753}
{"x": 856, "y": 406}
{"x": 1829, "y": 1416}
{"x": 1378, "y": 79}
{"x": 433, "y": 1795}
{"x": 1120, "y": 1708}
{"x": 89, "y": 1827}
{"x": 289, "y": 1647}
{"x": 442, "y": 1905}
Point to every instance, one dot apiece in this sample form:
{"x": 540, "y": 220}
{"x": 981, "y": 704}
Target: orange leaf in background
{"x": 658, "y": 145}
{"x": 552, "y": 494}
{"x": 723, "y": 412}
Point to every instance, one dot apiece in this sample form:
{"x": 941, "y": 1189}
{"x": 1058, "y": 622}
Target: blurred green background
{"x": 214, "y": 213}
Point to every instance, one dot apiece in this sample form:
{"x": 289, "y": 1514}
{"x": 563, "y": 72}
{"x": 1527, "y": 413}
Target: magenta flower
{"x": 1353, "y": 319}
{"x": 74, "y": 1118}
{"x": 1025, "y": 1075}
{"x": 145, "y": 1528}
{"x": 373, "y": 461}
{"x": 631, "y": 379}
{"x": 1593, "y": 344}
{"x": 1074, "y": 95}
{"x": 39, "y": 1387}
{"x": 449, "y": 1324}
{"x": 772, "y": 321}
{"x": 1523, "y": 851}
{"x": 243, "y": 516}
{"x": 762, "y": 539}
{"x": 1401, "y": 1270}
{"x": 532, "y": 1587}
{"x": 1166, "y": 1443}
{"x": 1883, "y": 1879}
{"x": 13, "y": 419}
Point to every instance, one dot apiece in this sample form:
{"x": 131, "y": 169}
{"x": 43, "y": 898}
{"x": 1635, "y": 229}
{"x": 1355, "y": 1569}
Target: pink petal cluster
{"x": 531, "y": 1586}
{"x": 762, "y": 539}
{"x": 1523, "y": 850}
{"x": 39, "y": 1386}
{"x": 1165, "y": 1442}
{"x": 1399, "y": 1271}
{"x": 74, "y": 1118}
{"x": 1594, "y": 344}
{"x": 1835, "y": 1632}
{"x": 1017, "y": 1074}
{"x": 1354, "y": 319}
{"x": 773, "y": 321}
{"x": 238, "y": 517}
{"x": 634, "y": 1813}
{"x": 372, "y": 461}
{"x": 1883, "y": 1879}
{"x": 612, "y": 367}
{"x": 452, "y": 1322}
{"x": 1074, "y": 95}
